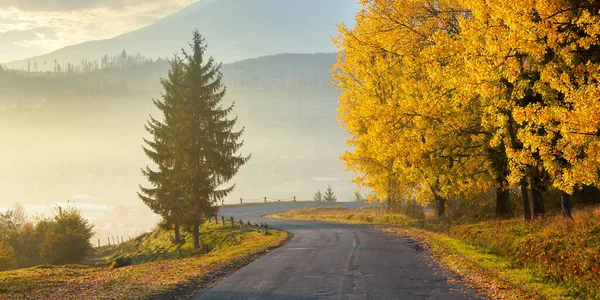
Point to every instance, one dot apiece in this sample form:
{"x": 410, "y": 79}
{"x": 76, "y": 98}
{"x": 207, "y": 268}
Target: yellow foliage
{"x": 432, "y": 93}
{"x": 8, "y": 259}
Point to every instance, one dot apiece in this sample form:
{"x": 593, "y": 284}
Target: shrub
{"x": 66, "y": 239}
{"x": 26, "y": 244}
{"x": 567, "y": 251}
{"x": 8, "y": 259}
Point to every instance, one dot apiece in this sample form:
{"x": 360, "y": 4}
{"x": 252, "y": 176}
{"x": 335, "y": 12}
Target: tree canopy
{"x": 447, "y": 99}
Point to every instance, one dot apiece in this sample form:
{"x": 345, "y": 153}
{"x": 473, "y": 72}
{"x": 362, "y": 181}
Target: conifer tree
{"x": 358, "y": 197}
{"x": 329, "y": 196}
{"x": 318, "y": 196}
{"x": 165, "y": 197}
{"x": 195, "y": 146}
{"x": 210, "y": 146}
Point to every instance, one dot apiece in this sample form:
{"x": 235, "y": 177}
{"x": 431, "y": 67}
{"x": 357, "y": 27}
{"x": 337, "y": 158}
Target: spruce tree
{"x": 165, "y": 195}
{"x": 211, "y": 149}
{"x": 358, "y": 197}
{"x": 318, "y": 196}
{"x": 195, "y": 146}
{"x": 329, "y": 196}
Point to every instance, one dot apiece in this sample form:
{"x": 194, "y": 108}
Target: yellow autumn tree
{"x": 444, "y": 99}
{"x": 398, "y": 104}
{"x": 535, "y": 66}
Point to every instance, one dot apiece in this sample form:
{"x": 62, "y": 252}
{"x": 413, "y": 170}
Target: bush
{"x": 66, "y": 239}
{"x": 8, "y": 259}
{"x": 26, "y": 243}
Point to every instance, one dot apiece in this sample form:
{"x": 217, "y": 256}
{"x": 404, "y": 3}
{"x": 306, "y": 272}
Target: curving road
{"x": 335, "y": 261}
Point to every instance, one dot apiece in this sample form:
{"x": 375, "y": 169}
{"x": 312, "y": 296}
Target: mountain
{"x": 234, "y": 29}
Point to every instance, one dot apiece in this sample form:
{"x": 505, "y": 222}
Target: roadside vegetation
{"x": 160, "y": 267}
{"x": 550, "y": 258}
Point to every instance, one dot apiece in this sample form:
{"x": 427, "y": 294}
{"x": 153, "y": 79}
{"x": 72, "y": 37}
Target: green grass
{"x": 159, "y": 245}
{"x": 364, "y": 215}
{"x": 159, "y": 267}
{"x": 546, "y": 259}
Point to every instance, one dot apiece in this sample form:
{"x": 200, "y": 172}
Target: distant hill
{"x": 234, "y": 29}
{"x": 274, "y": 72}
{"x": 280, "y": 71}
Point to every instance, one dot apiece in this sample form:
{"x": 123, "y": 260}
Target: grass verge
{"x": 507, "y": 259}
{"x": 160, "y": 269}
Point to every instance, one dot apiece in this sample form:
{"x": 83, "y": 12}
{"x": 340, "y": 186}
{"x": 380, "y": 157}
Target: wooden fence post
{"x": 98, "y": 242}
{"x": 241, "y": 225}
{"x": 223, "y": 219}
{"x": 241, "y": 201}
{"x": 265, "y": 199}
{"x": 113, "y": 238}
{"x": 232, "y": 222}
{"x": 108, "y": 238}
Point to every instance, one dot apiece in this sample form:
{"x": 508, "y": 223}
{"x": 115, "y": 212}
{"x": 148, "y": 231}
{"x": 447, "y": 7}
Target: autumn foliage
{"x": 446, "y": 100}
{"x": 63, "y": 239}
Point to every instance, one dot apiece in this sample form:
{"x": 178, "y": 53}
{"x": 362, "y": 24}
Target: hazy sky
{"x": 34, "y": 27}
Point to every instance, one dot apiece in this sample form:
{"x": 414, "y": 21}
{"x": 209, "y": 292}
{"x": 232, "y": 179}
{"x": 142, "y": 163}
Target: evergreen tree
{"x": 195, "y": 146}
{"x": 329, "y": 196}
{"x": 211, "y": 148}
{"x": 318, "y": 196}
{"x": 358, "y": 197}
{"x": 165, "y": 197}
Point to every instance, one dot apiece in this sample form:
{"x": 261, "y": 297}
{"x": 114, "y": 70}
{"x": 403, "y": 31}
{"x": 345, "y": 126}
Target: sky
{"x": 33, "y": 27}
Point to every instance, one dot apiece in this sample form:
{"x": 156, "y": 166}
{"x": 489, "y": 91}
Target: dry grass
{"x": 173, "y": 276}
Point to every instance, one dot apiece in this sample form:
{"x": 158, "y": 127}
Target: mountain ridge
{"x": 261, "y": 28}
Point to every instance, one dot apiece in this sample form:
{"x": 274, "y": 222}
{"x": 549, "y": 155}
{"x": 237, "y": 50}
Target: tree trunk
{"x": 196, "y": 227}
{"x": 526, "y": 204}
{"x": 538, "y": 203}
{"x": 440, "y": 207}
{"x": 177, "y": 233}
{"x": 566, "y": 206}
{"x": 196, "y": 233}
{"x": 502, "y": 202}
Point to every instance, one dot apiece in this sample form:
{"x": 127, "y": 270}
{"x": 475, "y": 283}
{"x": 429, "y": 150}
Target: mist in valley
{"x": 87, "y": 152}
{"x": 72, "y": 120}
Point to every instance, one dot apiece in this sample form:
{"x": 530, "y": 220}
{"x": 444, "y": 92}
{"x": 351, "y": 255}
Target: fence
{"x": 120, "y": 240}
{"x": 264, "y": 200}
{"x": 262, "y": 227}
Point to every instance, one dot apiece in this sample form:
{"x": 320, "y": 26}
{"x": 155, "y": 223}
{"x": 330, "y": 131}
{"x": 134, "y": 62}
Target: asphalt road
{"x": 335, "y": 261}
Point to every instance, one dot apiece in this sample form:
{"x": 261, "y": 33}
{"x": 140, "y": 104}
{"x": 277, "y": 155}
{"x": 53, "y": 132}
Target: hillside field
{"x": 160, "y": 268}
